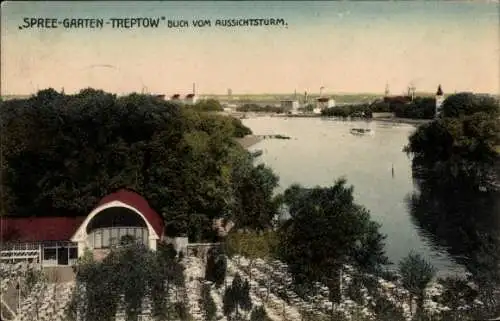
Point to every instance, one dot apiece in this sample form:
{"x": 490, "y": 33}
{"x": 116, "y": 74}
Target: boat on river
{"x": 360, "y": 131}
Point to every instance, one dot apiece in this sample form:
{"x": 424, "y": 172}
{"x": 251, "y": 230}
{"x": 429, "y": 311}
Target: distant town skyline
{"x": 345, "y": 47}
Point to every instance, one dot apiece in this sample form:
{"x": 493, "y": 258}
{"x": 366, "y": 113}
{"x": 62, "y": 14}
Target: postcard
{"x": 250, "y": 160}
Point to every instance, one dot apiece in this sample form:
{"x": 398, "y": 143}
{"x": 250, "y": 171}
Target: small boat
{"x": 360, "y": 131}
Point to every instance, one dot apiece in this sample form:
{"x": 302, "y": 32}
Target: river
{"x": 322, "y": 150}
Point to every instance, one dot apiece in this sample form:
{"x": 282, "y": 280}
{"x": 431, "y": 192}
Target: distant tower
{"x": 194, "y": 89}
{"x": 411, "y": 91}
{"x": 295, "y": 94}
{"x": 229, "y": 92}
{"x": 386, "y": 92}
{"x": 439, "y": 101}
{"x": 321, "y": 91}
{"x": 305, "y": 97}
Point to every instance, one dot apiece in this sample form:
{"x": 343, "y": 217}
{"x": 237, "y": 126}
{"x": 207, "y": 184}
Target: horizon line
{"x": 345, "y": 93}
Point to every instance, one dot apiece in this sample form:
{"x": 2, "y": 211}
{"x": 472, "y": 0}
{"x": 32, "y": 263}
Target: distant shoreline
{"x": 409, "y": 121}
{"x": 251, "y": 140}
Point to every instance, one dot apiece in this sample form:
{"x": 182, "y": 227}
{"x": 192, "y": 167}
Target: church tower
{"x": 439, "y": 101}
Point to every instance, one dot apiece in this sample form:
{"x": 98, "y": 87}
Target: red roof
{"x": 140, "y": 204}
{"x": 34, "y": 229}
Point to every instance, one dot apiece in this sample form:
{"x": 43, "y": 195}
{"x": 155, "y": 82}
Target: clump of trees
{"x": 418, "y": 108}
{"x": 259, "y": 314}
{"x": 123, "y": 280}
{"x": 208, "y": 303}
{"x": 455, "y": 164}
{"x": 326, "y": 230}
{"x": 252, "y": 107}
{"x": 65, "y": 152}
{"x": 362, "y": 110}
{"x": 461, "y": 145}
{"x": 215, "y": 269}
{"x": 416, "y": 274}
{"x": 237, "y": 298}
{"x": 208, "y": 105}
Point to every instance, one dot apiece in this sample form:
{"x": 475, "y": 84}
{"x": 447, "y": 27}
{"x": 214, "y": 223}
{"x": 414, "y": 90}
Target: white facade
{"x": 290, "y": 105}
{"x": 323, "y": 103}
{"x": 88, "y": 241}
{"x": 439, "y": 104}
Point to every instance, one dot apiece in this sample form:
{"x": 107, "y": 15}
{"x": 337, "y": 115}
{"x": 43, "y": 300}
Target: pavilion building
{"x": 53, "y": 241}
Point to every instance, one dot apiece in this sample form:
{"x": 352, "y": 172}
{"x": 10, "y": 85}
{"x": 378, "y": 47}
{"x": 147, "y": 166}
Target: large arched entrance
{"x": 116, "y": 225}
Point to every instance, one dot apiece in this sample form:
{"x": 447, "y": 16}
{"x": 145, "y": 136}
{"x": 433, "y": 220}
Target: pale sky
{"x": 342, "y": 46}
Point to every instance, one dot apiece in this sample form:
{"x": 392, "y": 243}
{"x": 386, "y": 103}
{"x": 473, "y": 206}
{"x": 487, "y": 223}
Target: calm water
{"x": 322, "y": 150}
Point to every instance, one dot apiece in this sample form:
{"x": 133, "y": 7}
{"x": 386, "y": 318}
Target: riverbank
{"x": 408, "y": 121}
{"x": 249, "y": 140}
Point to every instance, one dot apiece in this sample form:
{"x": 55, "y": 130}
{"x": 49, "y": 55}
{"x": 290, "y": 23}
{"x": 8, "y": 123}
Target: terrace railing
{"x": 20, "y": 251}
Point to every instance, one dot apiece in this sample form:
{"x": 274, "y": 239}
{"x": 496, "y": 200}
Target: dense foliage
{"x": 416, "y": 273}
{"x": 259, "y": 314}
{"x": 237, "y": 298}
{"x": 252, "y": 107}
{"x": 208, "y": 105}
{"x": 466, "y": 104}
{"x": 215, "y": 269}
{"x": 326, "y": 230}
{"x": 455, "y": 163}
{"x": 252, "y": 244}
{"x": 65, "y": 152}
{"x": 208, "y": 303}
{"x": 362, "y": 110}
{"x": 122, "y": 281}
{"x": 461, "y": 146}
{"x": 418, "y": 108}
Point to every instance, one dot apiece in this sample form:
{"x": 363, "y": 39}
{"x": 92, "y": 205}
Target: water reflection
{"x": 462, "y": 220}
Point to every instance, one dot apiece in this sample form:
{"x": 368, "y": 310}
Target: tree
{"x": 220, "y": 271}
{"x": 132, "y": 272}
{"x": 259, "y": 314}
{"x": 228, "y": 302}
{"x": 252, "y": 245}
{"x": 237, "y": 297}
{"x": 466, "y": 104}
{"x": 328, "y": 229}
{"x": 416, "y": 274}
{"x": 462, "y": 149}
{"x": 65, "y": 152}
{"x": 208, "y": 303}
{"x": 208, "y": 105}
{"x": 215, "y": 270}
{"x": 256, "y": 206}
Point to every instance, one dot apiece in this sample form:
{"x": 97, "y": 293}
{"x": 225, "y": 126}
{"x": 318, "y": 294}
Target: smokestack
{"x": 194, "y": 89}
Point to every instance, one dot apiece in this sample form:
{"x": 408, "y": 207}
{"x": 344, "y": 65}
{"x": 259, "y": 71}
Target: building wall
{"x": 439, "y": 103}
{"x": 289, "y": 105}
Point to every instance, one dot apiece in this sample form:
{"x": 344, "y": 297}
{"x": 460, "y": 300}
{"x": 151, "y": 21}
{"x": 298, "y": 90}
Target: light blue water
{"x": 322, "y": 150}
